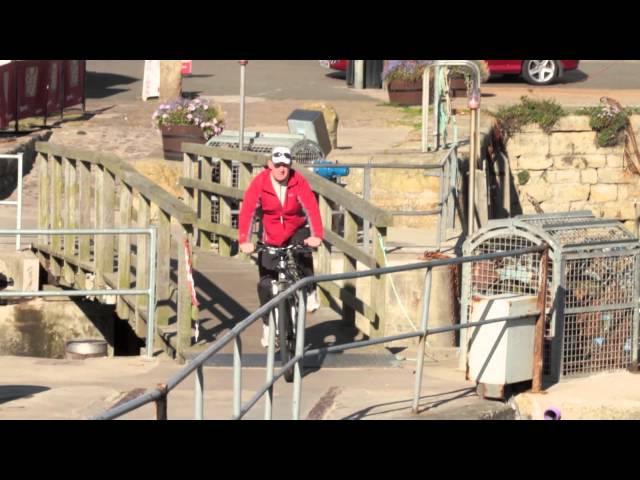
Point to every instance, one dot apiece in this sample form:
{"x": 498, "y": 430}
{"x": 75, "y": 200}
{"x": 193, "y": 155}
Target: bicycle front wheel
{"x": 286, "y": 318}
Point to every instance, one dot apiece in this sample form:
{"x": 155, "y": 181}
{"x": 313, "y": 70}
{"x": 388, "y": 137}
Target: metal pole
{"x": 538, "y": 346}
{"x": 423, "y": 340}
{"x": 237, "y": 376}
{"x": 63, "y": 67}
{"x": 199, "y": 394}
{"x": 84, "y": 87}
{"x": 297, "y": 372}
{"x": 472, "y": 174}
{"x": 436, "y": 109}
{"x": 358, "y": 74}
{"x": 366, "y": 225}
{"x": 425, "y": 108}
{"x": 151, "y": 310}
{"x": 243, "y": 64}
{"x": 271, "y": 353}
{"x": 19, "y": 203}
{"x": 17, "y": 90}
{"x": 161, "y": 403}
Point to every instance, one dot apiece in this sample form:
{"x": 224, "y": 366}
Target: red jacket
{"x": 279, "y": 223}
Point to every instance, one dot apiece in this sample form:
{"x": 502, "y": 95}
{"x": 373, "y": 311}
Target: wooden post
{"x": 105, "y": 206}
{"x": 69, "y": 221}
{"x": 44, "y": 201}
{"x": 184, "y": 296}
{"x": 324, "y": 252}
{"x": 204, "y": 212}
{"x": 224, "y": 243}
{"x": 83, "y": 172}
{"x": 56, "y": 213}
{"x": 124, "y": 251}
{"x": 142, "y": 264}
{"x": 378, "y": 284}
{"x": 349, "y": 265}
{"x": 245, "y": 171}
{"x": 163, "y": 278}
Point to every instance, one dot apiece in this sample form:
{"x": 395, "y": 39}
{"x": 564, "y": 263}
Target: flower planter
{"x": 173, "y": 136}
{"x": 405, "y": 93}
{"x": 457, "y": 87}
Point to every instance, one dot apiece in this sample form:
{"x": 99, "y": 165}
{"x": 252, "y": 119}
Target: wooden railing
{"x": 214, "y": 203}
{"x": 85, "y": 189}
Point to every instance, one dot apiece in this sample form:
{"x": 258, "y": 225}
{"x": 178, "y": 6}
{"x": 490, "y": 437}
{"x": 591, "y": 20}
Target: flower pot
{"x": 405, "y": 93}
{"x": 173, "y": 136}
{"x": 457, "y": 87}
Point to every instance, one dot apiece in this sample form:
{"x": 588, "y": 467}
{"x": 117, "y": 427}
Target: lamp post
{"x": 243, "y": 64}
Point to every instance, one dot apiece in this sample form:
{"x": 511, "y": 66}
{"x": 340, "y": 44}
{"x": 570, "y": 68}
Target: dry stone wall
{"x": 567, "y": 171}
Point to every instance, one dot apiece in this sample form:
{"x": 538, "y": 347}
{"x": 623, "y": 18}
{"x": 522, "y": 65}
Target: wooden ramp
{"x": 226, "y": 288}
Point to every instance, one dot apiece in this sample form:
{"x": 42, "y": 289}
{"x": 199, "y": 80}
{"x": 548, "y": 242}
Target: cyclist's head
{"x": 280, "y": 163}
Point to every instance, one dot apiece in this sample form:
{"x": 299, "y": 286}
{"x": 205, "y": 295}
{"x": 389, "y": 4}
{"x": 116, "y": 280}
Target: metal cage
{"x": 592, "y": 286}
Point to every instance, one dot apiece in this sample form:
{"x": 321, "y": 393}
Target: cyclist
{"x": 290, "y": 215}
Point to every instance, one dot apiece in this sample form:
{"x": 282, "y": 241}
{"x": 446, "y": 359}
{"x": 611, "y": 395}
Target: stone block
{"x": 541, "y": 191}
{"x": 563, "y": 176}
{"x": 527, "y": 144}
{"x": 331, "y": 119}
{"x": 573, "y": 123}
{"x": 620, "y": 210}
{"x": 614, "y": 175}
{"x": 603, "y": 193}
{"x": 570, "y": 192}
{"x": 564, "y": 162}
{"x": 534, "y": 162}
{"x": 615, "y": 161}
{"x": 552, "y": 206}
{"x": 589, "y": 176}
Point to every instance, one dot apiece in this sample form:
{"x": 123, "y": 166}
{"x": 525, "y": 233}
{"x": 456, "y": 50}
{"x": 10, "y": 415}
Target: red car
{"x": 536, "y": 72}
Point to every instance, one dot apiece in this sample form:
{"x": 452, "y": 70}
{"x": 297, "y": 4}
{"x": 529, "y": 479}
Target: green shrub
{"x": 545, "y": 113}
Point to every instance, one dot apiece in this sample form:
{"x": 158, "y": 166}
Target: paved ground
{"x": 34, "y": 388}
{"x": 41, "y": 388}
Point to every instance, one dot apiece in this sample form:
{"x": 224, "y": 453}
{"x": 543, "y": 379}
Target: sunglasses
{"x": 279, "y": 164}
{"x": 280, "y": 154}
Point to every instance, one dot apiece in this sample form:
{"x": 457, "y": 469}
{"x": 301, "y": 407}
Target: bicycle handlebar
{"x": 300, "y": 247}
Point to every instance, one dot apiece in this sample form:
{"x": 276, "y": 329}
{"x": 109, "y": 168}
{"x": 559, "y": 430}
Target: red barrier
{"x": 54, "y": 93}
{"x": 32, "y": 87}
{"x": 74, "y": 78}
{"x": 40, "y": 88}
{"x": 7, "y": 94}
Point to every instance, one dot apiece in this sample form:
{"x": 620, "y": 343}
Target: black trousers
{"x": 267, "y": 271}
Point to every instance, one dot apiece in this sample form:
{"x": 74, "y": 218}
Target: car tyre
{"x": 540, "y": 72}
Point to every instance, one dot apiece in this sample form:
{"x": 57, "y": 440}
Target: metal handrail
{"x": 159, "y": 395}
{"x": 18, "y": 201}
{"x": 149, "y": 292}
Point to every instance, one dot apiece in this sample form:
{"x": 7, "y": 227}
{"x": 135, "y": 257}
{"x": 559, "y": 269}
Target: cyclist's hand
{"x": 313, "y": 242}
{"x": 247, "y": 248}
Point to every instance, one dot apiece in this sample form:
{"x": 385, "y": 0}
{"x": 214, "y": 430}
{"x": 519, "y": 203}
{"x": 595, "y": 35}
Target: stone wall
{"x": 567, "y": 171}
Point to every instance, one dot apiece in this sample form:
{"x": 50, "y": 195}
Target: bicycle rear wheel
{"x": 286, "y": 317}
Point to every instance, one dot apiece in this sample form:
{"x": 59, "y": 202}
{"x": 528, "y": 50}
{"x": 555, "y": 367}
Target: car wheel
{"x": 540, "y": 72}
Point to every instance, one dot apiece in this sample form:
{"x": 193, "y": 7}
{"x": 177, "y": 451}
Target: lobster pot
{"x": 591, "y": 321}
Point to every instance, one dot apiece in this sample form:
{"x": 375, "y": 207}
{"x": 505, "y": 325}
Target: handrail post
{"x": 538, "y": 347}
{"x": 151, "y": 304}
{"x": 423, "y": 340}
{"x": 19, "y": 200}
{"x": 271, "y": 353}
{"x": 298, "y": 367}
{"x": 199, "y": 394}
{"x": 161, "y": 403}
{"x": 237, "y": 376}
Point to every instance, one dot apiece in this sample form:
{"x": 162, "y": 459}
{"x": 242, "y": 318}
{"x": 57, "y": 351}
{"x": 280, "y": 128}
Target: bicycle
{"x": 286, "y": 313}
